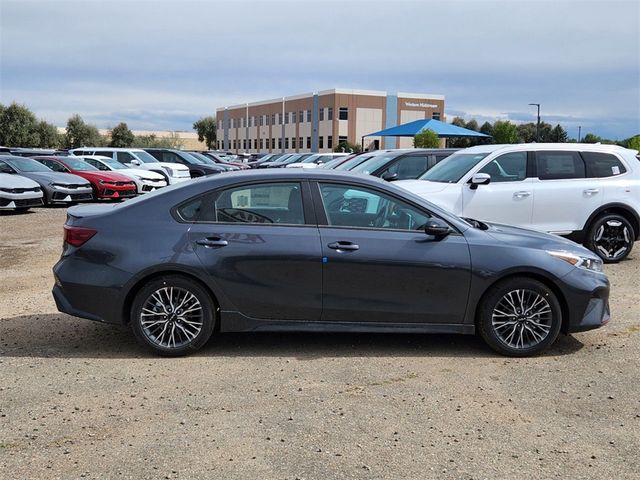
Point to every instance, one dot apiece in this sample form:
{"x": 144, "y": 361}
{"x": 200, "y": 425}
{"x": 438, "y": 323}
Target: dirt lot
{"x": 82, "y": 400}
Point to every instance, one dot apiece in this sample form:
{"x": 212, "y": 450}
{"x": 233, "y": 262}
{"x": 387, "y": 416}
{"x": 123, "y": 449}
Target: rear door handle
{"x": 521, "y": 194}
{"x": 212, "y": 242}
{"x": 344, "y": 246}
{"x": 591, "y": 191}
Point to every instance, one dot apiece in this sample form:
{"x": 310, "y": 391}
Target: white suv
{"x": 589, "y": 193}
{"x": 138, "y": 158}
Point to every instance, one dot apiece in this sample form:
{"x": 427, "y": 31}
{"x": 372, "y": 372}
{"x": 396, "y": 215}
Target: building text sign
{"x": 420, "y": 104}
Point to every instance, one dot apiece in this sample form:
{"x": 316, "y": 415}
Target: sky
{"x": 162, "y": 64}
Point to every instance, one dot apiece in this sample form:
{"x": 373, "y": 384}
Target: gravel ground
{"x": 81, "y": 400}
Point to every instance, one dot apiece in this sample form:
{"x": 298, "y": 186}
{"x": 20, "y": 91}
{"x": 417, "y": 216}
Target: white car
{"x": 587, "y": 192}
{"x": 18, "y": 192}
{"x": 146, "y": 180}
{"x": 317, "y": 159}
{"x": 138, "y": 158}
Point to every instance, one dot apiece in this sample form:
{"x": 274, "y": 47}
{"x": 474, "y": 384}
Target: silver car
{"x": 58, "y": 187}
{"x": 18, "y": 193}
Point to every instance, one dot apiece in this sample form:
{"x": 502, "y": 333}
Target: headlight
{"x": 59, "y": 185}
{"x": 586, "y": 263}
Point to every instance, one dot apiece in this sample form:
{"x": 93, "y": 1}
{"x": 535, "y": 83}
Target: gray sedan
{"x": 58, "y": 187}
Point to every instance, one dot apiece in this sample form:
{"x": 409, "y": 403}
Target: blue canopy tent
{"x": 411, "y": 129}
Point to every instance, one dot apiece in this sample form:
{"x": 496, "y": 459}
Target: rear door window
{"x": 600, "y": 165}
{"x": 410, "y": 166}
{"x": 559, "y": 165}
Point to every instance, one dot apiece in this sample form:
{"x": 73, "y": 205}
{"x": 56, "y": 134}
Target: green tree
{"x": 18, "y": 127}
{"x": 486, "y": 128}
{"x": 505, "y": 132}
{"x": 633, "y": 143}
{"x": 558, "y": 134}
{"x": 591, "y": 138}
{"x": 348, "y": 147}
{"x": 173, "y": 140}
{"x": 206, "y": 129}
{"x": 426, "y": 139}
{"x": 80, "y": 134}
{"x": 121, "y": 136}
{"x": 458, "y": 142}
{"x": 48, "y": 135}
{"x": 472, "y": 125}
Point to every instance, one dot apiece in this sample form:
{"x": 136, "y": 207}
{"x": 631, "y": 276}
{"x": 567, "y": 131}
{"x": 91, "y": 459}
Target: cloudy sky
{"x": 162, "y": 64}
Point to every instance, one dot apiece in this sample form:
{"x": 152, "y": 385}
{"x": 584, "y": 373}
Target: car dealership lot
{"x": 82, "y": 399}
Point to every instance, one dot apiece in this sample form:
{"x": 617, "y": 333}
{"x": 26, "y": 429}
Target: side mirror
{"x": 479, "y": 179}
{"x": 437, "y": 228}
{"x": 135, "y": 162}
{"x": 319, "y": 162}
{"x": 390, "y": 177}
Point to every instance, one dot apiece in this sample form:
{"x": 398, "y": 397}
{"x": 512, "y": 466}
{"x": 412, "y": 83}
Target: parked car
{"x": 402, "y": 164}
{"x": 590, "y": 193}
{"x": 356, "y": 159}
{"x": 270, "y": 157}
{"x": 317, "y": 159}
{"x": 332, "y": 164}
{"x": 222, "y": 166}
{"x": 275, "y": 161}
{"x": 32, "y": 152}
{"x": 58, "y": 187}
{"x": 106, "y": 185}
{"x": 221, "y": 160}
{"x": 138, "y": 158}
{"x": 18, "y": 193}
{"x": 145, "y": 180}
{"x": 197, "y": 167}
{"x": 295, "y": 158}
{"x": 306, "y": 250}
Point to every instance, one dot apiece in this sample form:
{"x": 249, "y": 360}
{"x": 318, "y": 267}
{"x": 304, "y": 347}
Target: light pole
{"x": 579, "y": 128}
{"x": 537, "y": 124}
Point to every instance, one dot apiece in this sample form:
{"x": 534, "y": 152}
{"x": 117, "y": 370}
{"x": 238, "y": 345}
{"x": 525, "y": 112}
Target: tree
{"x": 591, "y": 138}
{"x": 121, "y": 136}
{"x": 505, "y": 132}
{"x": 18, "y": 127}
{"x": 48, "y": 135}
{"x": 633, "y": 143}
{"x": 173, "y": 140}
{"x": 472, "y": 125}
{"x": 80, "y": 134}
{"x": 206, "y": 129}
{"x": 458, "y": 142}
{"x": 426, "y": 139}
{"x": 558, "y": 134}
{"x": 348, "y": 147}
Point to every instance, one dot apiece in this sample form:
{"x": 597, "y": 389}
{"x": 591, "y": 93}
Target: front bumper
{"x": 173, "y": 180}
{"x": 11, "y": 201}
{"x": 116, "y": 191}
{"x": 145, "y": 186}
{"x": 66, "y": 195}
{"x": 587, "y": 301}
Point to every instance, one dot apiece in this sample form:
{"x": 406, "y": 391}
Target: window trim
{"x": 308, "y": 209}
{"x": 323, "y": 221}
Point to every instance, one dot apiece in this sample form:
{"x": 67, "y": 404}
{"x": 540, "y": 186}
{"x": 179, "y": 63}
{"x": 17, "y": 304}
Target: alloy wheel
{"x": 171, "y": 317}
{"x": 522, "y": 319}
{"x": 612, "y": 239}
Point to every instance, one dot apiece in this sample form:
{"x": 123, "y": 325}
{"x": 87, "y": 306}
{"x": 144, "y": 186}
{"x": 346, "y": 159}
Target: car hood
{"x": 55, "y": 177}
{"x": 420, "y": 187}
{"x": 10, "y": 180}
{"x": 524, "y": 237}
{"x": 106, "y": 176}
{"x": 173, "y": 166}
{"x": 139, "y": 173}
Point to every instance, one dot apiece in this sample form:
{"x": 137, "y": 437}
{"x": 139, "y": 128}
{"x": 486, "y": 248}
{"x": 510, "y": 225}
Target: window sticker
{"x": 615, "y": 170}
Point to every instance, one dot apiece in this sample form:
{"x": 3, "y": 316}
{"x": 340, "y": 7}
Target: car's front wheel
{"x": 611, "y": 237}
{"x": 173, "y": 315}
{"x": 519, "y": 317}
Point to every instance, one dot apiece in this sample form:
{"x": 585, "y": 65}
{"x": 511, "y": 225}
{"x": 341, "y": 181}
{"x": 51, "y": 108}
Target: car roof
{"x": 109, "y": 149}
{"x": 594, "y": 147}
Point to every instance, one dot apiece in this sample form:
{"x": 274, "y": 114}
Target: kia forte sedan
{"x": 316, "y": 250}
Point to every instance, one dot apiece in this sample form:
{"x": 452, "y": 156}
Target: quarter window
{"x": 601, "y": 165}
{"x": 510, "y": 167}
{"x": 359, "y": 207}
{"x": 559, "y": 165}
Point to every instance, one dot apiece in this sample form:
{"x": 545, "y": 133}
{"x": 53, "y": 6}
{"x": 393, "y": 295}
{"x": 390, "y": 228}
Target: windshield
{"x": 144, "y": 157}
{"x": 332, "y": 163}
{"x": 113, "y": 164}
{"x": 349, "y": 164}
{"x": 372, "y": 163}
{"x": 26, "y": 165}
{"x": 311, "y": 158}
{"x": 195, "y": 158}
{"x": 79, "y": 165}
{"x": 453, "y": 168}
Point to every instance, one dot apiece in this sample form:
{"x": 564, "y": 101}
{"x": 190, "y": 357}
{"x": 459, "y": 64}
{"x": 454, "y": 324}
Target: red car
{"x": 105, "y": 184}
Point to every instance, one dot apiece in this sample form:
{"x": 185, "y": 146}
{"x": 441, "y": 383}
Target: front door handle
{"x": 344, "y": 246}
{"x": 591, "y": 191}
{"x": 212, "y": 242}
{"x": 521, "y": 194}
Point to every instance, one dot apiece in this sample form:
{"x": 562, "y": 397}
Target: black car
{"x": 317, "y": 250}
{"x": 406, "y": 164}
{"x": 197, "y": 166}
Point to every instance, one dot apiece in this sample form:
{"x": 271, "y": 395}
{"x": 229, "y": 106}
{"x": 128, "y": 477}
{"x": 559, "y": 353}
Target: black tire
{"x": 494, "y": 329}
{"x": 149, "y": 335}
{"x": 611, "y": 237}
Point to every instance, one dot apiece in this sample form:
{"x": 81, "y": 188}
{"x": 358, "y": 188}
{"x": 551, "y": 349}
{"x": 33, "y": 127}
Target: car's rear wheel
{"x": 173, "y": 315}
{"x": 611, "y": 237}
{"x": 519, "y": 317}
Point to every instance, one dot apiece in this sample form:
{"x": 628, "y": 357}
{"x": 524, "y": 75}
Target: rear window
{"x": 601, "y": 165}
{"x": 560, "y": 165}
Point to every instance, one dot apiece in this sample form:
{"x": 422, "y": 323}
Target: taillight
{"x": 77, "y": 236}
